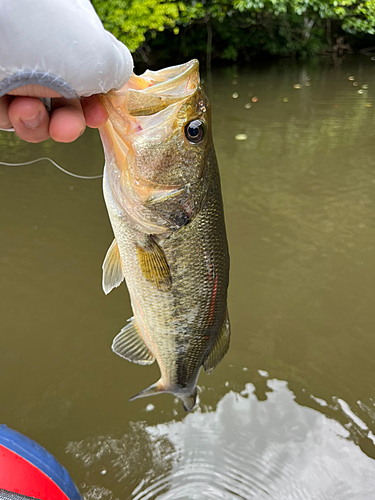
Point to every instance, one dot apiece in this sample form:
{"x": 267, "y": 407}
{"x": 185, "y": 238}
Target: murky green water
{"x": 290, "y": 411}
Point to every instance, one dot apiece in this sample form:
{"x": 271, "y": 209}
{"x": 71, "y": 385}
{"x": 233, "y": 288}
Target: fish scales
{"x": 172, "y": 246}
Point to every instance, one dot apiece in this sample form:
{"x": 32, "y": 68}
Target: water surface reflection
{"x": 246, "y": 449}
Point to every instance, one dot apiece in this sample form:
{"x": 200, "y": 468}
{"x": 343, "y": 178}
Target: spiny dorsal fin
{"x": 113, "y": 274}
{"x": 220, "y": 347}
{"x": 154, "y": 265}
{"x": 129, "y": 345}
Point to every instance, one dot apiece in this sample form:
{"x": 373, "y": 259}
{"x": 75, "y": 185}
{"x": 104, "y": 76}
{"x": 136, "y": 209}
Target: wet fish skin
{"x": 164, "y": 201}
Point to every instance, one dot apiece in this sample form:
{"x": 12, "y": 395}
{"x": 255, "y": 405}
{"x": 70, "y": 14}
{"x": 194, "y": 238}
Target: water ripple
{"x": 250, "y": 449}
{"x": 245, "y": 449}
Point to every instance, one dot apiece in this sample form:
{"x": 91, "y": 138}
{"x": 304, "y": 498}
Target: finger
{"x": 34, "y": 91}
{"x": 4, "y": 109}
{"x": 67, "y": 120}
{"x": 29, "y": 118}
{"x": 94, "y": 111}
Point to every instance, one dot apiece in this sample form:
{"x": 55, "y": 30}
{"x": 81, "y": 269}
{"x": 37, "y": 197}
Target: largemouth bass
{"x": 162, "y": 191}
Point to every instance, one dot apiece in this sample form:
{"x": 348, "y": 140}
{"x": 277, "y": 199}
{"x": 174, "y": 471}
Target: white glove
{"x": 60, "y": 44}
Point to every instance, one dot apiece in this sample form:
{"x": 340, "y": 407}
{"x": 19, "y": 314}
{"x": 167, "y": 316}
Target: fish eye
{"x": 194, "y": 131}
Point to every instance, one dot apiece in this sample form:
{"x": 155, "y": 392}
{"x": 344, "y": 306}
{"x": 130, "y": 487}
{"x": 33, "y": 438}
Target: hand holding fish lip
{"x": 48, "y": 54}
{"x": 162, "y": 173}
{"x": 32, "y": 122}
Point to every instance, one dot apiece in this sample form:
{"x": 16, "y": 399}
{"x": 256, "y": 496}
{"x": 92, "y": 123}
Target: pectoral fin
{"x": 113, "y": 274}
{"x": 220, "y": 347}
{"x": 129, "y": 345}
{"x": 154, "y": 265}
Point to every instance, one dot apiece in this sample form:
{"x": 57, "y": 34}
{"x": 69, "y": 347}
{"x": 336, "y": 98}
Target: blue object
{"x": 40, "y": 458}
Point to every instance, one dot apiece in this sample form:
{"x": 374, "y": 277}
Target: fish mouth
{"x": 164, "y": 87}
{"x": 153, "y": 91}
{"x": 132, "y": 109}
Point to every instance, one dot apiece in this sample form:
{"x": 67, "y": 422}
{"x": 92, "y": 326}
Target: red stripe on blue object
{"x": 40, "y": 458}
{"x": 20, "y": 476}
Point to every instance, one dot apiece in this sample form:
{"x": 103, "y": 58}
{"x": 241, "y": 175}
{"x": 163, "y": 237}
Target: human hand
{"x": 62, "y": 51}
{"x": 22, "y": 110}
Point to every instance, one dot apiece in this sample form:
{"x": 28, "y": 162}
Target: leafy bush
{"x": 232, "y": 29}
{"x": 131, "y": 20}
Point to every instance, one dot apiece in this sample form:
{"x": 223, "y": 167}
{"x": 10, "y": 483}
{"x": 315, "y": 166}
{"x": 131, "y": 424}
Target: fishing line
{"x": 53, "y": 163}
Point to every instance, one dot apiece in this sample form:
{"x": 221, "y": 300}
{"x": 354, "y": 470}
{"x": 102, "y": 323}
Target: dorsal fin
{"x": 220, "y": 347}
{"x": 129, "y": 345}
{"x": 113, "y": 274}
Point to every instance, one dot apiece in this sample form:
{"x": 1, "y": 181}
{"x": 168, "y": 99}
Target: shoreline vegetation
{"x": 239, "y": 30}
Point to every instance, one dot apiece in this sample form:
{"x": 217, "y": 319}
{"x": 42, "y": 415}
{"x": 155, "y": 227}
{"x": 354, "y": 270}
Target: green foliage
{"x": 239, "y": 28}
{"x": 131, "y": 20}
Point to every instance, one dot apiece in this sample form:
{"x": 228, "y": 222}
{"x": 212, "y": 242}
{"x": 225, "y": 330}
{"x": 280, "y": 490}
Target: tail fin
{"x": 189, "y": 401}
{"x": 152, "y": 390}
{"x": 158, "y": 388}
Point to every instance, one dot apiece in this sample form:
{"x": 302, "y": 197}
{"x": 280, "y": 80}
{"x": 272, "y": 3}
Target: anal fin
{"x": 220, "y": 347}
{"x": 129, "y": 345}
{"x": 113, "y": 274}
{"x": 154, "y": 265}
